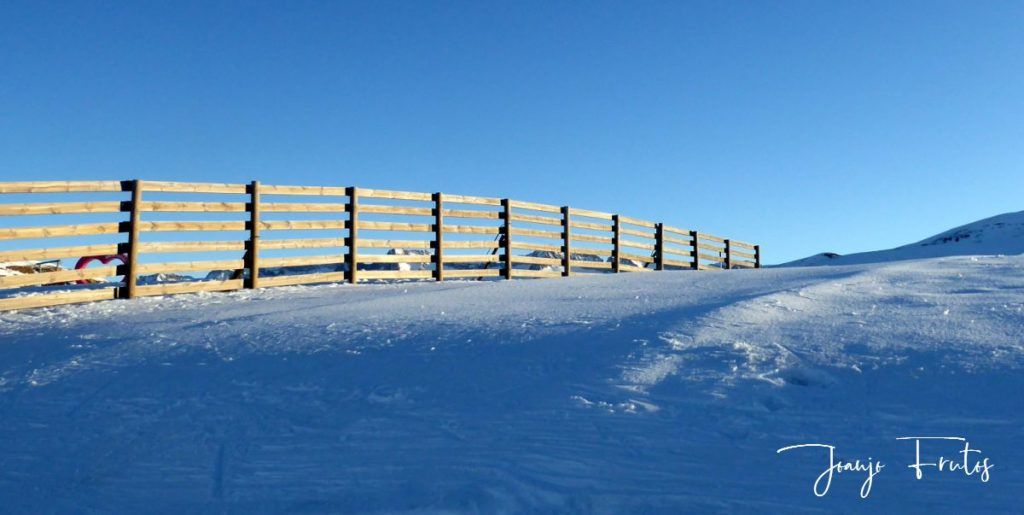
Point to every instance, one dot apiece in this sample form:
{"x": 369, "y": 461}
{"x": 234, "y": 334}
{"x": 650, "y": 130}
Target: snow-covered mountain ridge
{"x": 998, "y": 235}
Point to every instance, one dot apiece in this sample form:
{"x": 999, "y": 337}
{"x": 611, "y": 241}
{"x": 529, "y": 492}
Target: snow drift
{"x": 635, "y": 393}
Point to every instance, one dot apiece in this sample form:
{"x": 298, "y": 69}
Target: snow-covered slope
{"x": 637, "y": 393}
{"x": 999, "y": 235}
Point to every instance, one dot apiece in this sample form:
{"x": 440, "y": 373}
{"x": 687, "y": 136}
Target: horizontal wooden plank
{"x": 623, "y": 267}
{"x": 163, "y": 247}
{"x": 391, "y": 258}
{"x": 468, "y": 199}
{"x": 742, "y": 244}
{"x": 472, "y": 229}
{"x": 187, "y": 287}
{"x": 686, "y": 253}
{"x": 676, "y": 230}
{"x": 482, "y": 272}
{"x": 537, "y": 273}
{"x": 636, "y": 257}
{"x": 522, "y": 245}
{"x": 633, "y": 232}
{"x": 537, "y": 260}
{"x": 55, "y": 299}
{"x": 590, "y": 214}
{"x": 395, "y": 274}
{"x": 326, "y": 191}
{"x": 588, "y": 225}
{"x": 394, "y": 244}
{"x": 742, "y": 264}
{"x": 547, "y": 208}
{"x": 288, "y": 225}
{"x": 673, "y": 262}
{"x": 303, "y": 207}
{"x": 636, "y": 221}
{"x": 61, "y": 186}
{"x": 740, "y": 253}
{"x": 57, "y": 253}
{"x": 59, "y": 276}
{"x": 708, "y": 237}
{"x": 590, "y": 264}
{"x": 171, "y": 226}
{"x": 680, "y": 241}
{"x": 190, "y": 266}
{"x": 608, "y": 240}
{"x": 391, "y": 194}
{"x": 536, "y": 233}
{"x": 302, "y": 243}
{"x": 712, "y": 248}
{"x": 300, "y": 261}
{"x": 471, "y": 213}
{"x": 22, "y": 233}
{"x": 193, "y": 207}
{"x": 702, "y": 266}
{"x": 709, "y": 257}
{"x": 394, "y": 226}
{"x": 63, "y": 208}
{"x": 623, "y": 242}
{"x": 591, "y": 252}
{"x": 294, "y": 280}
{"x": 547, "y": 220}
{"x": 395, "y": 210}
{"x": 193, "y": 187}
{"x": 474, "y": 244}
{"x": 471, "y": 258}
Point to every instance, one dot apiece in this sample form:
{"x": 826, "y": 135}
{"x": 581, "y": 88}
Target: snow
{"x": 12, "y": 268}
{"x": 161, "y": 278}
{"x": 402, "y": 266}
{"x": 632, "y": 393}
{"x": 998, "y": 235}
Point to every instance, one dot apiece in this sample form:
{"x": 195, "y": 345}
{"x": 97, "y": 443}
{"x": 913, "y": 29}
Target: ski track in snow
{"x": 645, "y": 393}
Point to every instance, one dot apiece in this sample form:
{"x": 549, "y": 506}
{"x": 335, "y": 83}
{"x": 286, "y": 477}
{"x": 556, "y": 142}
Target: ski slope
{"x": 1000, "y": 234}
{"x": 635, "y": 393}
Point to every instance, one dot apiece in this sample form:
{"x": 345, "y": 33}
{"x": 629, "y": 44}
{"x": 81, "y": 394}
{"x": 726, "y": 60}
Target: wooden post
{"x": 659, "y": 258}
{"x": 352, "y": 258}
{"x": 728, "y": 255}
{"x": 253, "y": 245}
{"x": 566, "y": 248}
{"x": 507, "y": 237}
{"x": 617, "y": 251}
{"x": 438, "y": 237}
{"x": 131, "y": 279}
{"x": 757, "y": 256}
{"x": 695, "y": 254}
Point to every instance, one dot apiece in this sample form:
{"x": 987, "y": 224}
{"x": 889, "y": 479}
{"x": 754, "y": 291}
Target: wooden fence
{"x": 437, "y": 236}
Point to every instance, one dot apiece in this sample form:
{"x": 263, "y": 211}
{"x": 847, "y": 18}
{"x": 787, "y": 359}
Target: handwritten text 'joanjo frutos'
{"x": 967, "y": 461}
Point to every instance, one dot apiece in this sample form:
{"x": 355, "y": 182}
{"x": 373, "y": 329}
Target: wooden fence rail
{"x": 435, "y": 236}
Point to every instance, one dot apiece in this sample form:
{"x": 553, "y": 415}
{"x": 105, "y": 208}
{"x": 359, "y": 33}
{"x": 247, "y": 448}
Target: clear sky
{"x": 804, "y": 126}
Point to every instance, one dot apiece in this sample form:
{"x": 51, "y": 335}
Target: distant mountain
{"x": 1001, "y": 234}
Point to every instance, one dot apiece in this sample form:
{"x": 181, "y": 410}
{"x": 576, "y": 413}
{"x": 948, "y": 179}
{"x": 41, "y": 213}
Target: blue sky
{"x": 804, "y": 126}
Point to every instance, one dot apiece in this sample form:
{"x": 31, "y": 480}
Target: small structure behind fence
{"x": 320, "y": 235}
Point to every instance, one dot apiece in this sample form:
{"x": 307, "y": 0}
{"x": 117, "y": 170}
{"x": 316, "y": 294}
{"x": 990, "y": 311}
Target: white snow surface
{"x": 997, "y": 235}
{"x": 630, "y": 393}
